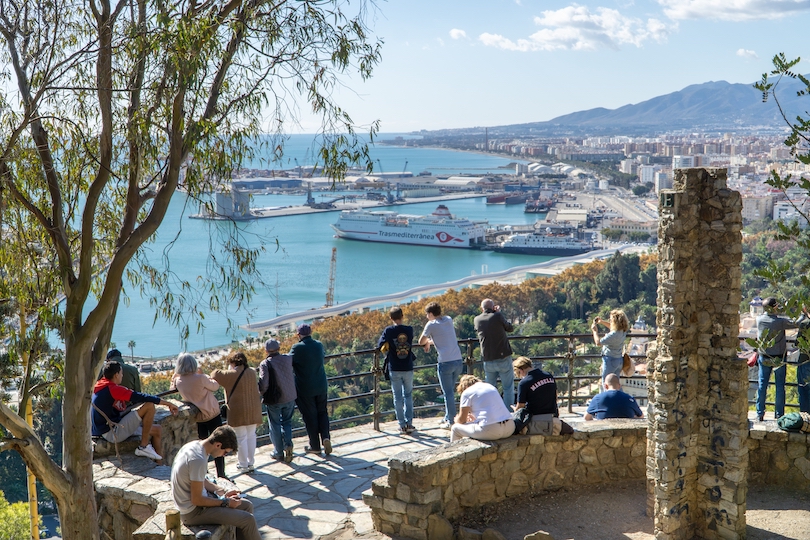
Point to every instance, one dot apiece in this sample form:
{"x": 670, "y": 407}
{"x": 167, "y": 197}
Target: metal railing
{"x": 575, "y": 358}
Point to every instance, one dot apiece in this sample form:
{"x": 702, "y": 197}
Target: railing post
{"x": 470, "y": 359}
{"x": 570, "y": 356}
{"x": 376, "y": 373}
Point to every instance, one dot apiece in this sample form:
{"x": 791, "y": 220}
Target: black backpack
{"x": 273, "y": 392}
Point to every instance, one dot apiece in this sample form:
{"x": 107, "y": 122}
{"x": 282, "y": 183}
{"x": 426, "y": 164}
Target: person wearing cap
{"x": 132, "y": 377}
{"x": 771, "y": 326}
{"x": 310, "y": 385}
{"x": 277, "y": 388}
{"x": 198, "y": 389}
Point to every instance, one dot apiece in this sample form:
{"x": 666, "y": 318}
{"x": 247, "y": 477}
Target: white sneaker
{"x": 248, "y": 469}
{"x": 444, "y": 424}
{"x": 148, "y": 452}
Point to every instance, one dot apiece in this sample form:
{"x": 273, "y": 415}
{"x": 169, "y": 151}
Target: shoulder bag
{"x": 223, "y": 411}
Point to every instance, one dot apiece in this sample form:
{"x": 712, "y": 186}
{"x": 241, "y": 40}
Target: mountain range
{"x": 714, "y": 105}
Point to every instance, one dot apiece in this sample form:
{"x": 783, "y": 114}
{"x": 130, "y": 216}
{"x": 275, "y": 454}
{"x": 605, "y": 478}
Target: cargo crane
{"x": 330, "y": 292}
{"x": 405, "y": 168}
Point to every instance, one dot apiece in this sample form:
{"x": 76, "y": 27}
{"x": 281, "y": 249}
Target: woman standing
{"x": 198, "y": 389}
{"x": 244, "y": 406}
{"x": 612, "y": 343}
{"x": 482, "y": 414}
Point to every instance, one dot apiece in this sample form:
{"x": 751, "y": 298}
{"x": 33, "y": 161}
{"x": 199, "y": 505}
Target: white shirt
{"x": 190, "y": 465}
{"x": 486, "y": 404}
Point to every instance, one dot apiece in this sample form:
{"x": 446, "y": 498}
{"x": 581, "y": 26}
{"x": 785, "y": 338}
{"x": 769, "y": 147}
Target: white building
{"x": 682, "y": 162}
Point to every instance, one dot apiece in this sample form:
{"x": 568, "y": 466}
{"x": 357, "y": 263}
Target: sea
{"x": 296, "y": 264}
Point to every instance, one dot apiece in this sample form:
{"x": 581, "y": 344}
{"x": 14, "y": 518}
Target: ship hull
{"x": 400, "y": 238}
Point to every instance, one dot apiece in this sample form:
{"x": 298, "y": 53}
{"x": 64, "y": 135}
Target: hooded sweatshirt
{"x": 113, "y": 399}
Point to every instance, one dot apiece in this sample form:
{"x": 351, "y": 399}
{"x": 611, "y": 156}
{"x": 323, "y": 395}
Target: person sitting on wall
{"x": 613, "y": 403}
{"x": 537, "y": 392}
{"x": 482, "y": 414}
{"x": 112, "y": 421}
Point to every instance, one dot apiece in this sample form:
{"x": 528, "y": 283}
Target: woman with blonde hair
{"x": 198, "y": 389}
{"x": 482, "y": 414}
{"x": 241, "y": 386}
{"x": 612, "y": 343}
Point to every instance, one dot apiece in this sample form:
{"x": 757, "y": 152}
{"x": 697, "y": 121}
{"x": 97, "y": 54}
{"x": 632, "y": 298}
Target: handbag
{"x": 628, "y": 368}
{"x": 223, "y": 411}
{"x": 752, "y": 359}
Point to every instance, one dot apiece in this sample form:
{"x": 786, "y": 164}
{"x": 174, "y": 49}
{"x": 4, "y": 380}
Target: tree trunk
{"x": 77, "y": 507}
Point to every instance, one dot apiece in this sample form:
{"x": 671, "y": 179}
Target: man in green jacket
{"x": 310, "y": 385}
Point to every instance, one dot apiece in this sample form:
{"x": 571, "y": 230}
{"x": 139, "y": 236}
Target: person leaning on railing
{"x": 440, "y": 333}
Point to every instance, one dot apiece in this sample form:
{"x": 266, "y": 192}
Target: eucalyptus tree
{"x": 108, "y": 112}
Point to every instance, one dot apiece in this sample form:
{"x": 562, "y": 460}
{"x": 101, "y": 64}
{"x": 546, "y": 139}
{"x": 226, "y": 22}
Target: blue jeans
{"x": 766, "y": 365}
{"x": 280, "y": 418}
{"x": 502, "y": 368}
{"x": 803, "y": 379}
{"x": 402, "y": 388}
{"x": 610, "y": 365}
{"x": 449, "y": 373}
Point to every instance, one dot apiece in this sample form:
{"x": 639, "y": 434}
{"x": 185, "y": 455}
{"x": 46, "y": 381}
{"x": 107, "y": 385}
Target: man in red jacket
{"x": 112, "y": 421}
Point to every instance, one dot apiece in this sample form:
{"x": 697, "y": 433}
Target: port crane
{"x": 330, "y": 292}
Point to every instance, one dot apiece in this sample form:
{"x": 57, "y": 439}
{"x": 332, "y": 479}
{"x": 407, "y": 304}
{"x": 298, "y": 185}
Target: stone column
{"x": 697, "y": 456}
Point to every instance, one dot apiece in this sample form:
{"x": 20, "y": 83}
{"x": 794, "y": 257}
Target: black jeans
{"x": 204, "y": 429}
{"x": 316, "y": 418}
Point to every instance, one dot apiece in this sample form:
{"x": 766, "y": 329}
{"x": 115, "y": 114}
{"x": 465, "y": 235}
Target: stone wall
{"x": 450, "y": 479}
{"x": 468, "y": 474}
{"x": 697, "y": 453}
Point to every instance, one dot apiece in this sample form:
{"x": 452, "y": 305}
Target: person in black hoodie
{"x": 111, "y": 419}
{"x": 396, "y": 343}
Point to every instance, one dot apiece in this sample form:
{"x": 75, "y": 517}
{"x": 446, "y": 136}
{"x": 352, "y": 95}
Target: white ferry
{"x": 441, "y": 228}
{"x": 544, "y": 242}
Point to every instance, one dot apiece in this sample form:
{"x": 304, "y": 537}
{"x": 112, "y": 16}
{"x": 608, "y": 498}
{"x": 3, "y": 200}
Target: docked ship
{"x": 546, "y": 241}
{"x": 441, "y": 228}
{"x": 537, "y": 206}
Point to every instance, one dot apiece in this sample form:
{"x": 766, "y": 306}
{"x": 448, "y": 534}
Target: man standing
{"x": 496, "y": 352}
{"x": 613, "y": 403}
{"x": 132, "y": 377}
{"x": 277, "y": 387}
{"x": 310, "y": 385}
{"x": 111, "y": 419}
{"x": 190, "y": 488}
{"x": 396, "y": 340}
{"x": 440, "y": 332}
{"x": 771, "y": 328}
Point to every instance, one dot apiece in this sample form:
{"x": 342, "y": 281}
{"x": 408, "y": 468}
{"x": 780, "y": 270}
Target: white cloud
{"x": 577, "y": 28}
{"x": 733, "y": 10}
{"x": 745, "y": 53}
{"x": 455, "y": 33}
{"x": 440, "y": 41}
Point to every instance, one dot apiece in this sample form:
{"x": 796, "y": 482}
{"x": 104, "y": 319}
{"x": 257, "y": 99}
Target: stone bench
{"x": 449, "y": 480}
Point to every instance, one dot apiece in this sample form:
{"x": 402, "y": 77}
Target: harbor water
{"x": 296, "y": 269}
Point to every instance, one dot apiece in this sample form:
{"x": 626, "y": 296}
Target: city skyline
{"x": 458, "y": 64}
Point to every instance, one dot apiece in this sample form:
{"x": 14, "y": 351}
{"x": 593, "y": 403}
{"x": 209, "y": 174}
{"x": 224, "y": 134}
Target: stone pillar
{"x": 697, "y": 454}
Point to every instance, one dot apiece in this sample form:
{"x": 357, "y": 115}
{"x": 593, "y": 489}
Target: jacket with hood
{"x": 113, "y": 399}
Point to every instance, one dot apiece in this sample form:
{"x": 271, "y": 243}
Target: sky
{"x": 468, "y": 63}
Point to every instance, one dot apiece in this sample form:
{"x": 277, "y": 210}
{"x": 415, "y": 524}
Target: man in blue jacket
{"x": 613, "y": 403}
{"x": 115, "y": 423}
{"x": 396, "y": 341}
{"x": 310, "y": 385}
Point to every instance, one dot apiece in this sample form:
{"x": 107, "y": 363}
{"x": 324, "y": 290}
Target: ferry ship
{"x": 545, "y": 242}
{"x": 441, "y": 228}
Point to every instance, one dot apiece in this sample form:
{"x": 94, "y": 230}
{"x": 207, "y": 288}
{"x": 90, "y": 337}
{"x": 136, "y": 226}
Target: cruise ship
{"x": 546, "y": 241}
{"x": 441, "y": 228}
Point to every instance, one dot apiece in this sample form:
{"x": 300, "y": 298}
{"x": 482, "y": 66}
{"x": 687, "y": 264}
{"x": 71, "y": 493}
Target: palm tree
{"x": 131, "y": 346}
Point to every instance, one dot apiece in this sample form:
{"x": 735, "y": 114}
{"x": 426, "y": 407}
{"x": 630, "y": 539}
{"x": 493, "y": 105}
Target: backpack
{"x": 796, "y": 422}
{"x": 273, "y": 392}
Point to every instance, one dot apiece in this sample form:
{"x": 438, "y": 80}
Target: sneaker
{"x": 410, "y": 429}
{"x": 288, "y": 454}
{"x": 248, "y": 469}
{"x": 310, "y": 450}
{"x": 327, "y": 446}
{"x": 403, "y": 431}
{"x": 444, "y": 424}
{"x": 760, "y": 417}
{"x": 148, "y": 452}
{"x": 277, "y": 457}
